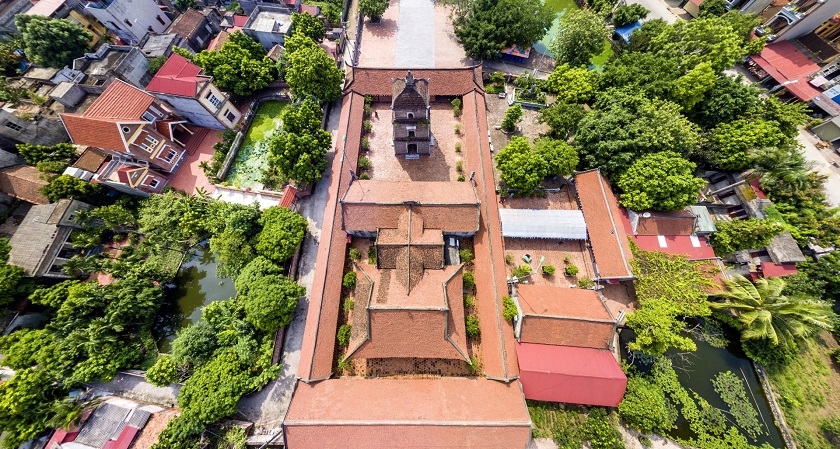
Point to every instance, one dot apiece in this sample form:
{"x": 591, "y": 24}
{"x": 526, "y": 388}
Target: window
{"x": 160, "y": 21}
{"x": 148, "y": 117}
{"x": 410, "y": 115}
{"x": 14, "y": 126}
{"x": 412, "y": 148}
{"x": 127, "y": 22}
{"x": 170, "y": 155}
{"x": 149, "y": 143}
{"x": 411, "y": 134}
{"x": 230, "y": 115}
{"x": 126, "y": 129}
{"x": 154, "y": 183}
{"x": 213, "y": 100}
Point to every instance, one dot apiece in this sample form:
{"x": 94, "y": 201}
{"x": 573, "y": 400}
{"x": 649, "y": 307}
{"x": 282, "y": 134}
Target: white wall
{"x": 142, "y": 14}
{"x": 192, "y": 110}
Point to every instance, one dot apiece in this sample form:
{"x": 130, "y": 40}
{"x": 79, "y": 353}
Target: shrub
{"x": 459, "y": 166}
{"x": 349, "y": 304}
{"x": 367, "y": 126}
{"x": 163, "y": 372}
{"x": 355, "y": 254}
{"x": 835, "y": 355}
{"x": 372, "y": 254}
{"x": 469, "y": 281}
{"x": 349, "y": 281}
{"x": 522, "y": 271}
{"x": 194, "y": 344}
{"x": 367, "y": 110}
{"x": 364, "y": 163}
{"x": 509, "y": 258}
{"x": 566, "y": 259}
{"x": 469, "y": 301}
{"x": 512, "y": 116}
{"x": 368, "y": 100}
{"x": 457, "y": 147}
{"x": 364, "y": 176}
{"x": 343, "y": 336}
{"x": 458, "y": 128}
{"x": 466, "y": 255}
{"x": 461, "y": 178}
{"x": 456, "y": 107}
{"x": 548, "y": 269}
{"x": 572, "y": 270}
{"x": 509, "y": 311}
{"x": 472, "y": 326}
{"x": 365, "y": 144}
{"x": 586, "y": 282}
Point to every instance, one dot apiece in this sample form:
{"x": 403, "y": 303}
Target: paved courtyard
{"x": 415, "y": 34}
{"x": 190, "y": 175}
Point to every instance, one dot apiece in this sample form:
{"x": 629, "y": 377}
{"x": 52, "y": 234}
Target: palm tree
{"x": 768, "y": 314}
{"x": 784, "y": 168}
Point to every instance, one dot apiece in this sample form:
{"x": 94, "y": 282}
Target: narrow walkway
{"x": 416, "y": 34}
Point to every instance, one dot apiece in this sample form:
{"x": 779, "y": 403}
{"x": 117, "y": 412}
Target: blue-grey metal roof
{"x": 543, "y": 224}
{"x": 704, "y": 221}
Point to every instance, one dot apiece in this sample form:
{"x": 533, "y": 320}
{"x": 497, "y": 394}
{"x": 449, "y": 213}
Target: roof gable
{"x": 120, "y": 101}
{"x": 95, "y": 132}
{"x": 177, "y": 76}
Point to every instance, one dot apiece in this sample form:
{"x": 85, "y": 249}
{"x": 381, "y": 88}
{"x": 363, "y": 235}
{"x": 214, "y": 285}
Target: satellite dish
{"x": 646, "y": 215}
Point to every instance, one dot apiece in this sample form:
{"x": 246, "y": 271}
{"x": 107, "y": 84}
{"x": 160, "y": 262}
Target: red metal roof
{"x": 786, "y": 64}
{"x": 756, "y": 186}
{"x": 239, "y": 21}
{"x": 696, "y": 249}
{"x": 770, "y": 269}
{"x": 571, "y": 375}
{"x": 177, "y": 76}
{"x": 124, "y": 440}
{"x": 61, "y": 436}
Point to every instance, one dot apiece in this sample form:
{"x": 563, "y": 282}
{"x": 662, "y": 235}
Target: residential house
{"x": 19, "y": 180}
{"x": 40, "y": 244}
{"x": 155, "y": 45}
{"x": 410, "y": 109}
{"x": 73, "y": 11}
{"x": 113, "y": 62}
{"x": 8, "y": 10}
{"x": 269, "y": 24}
{"x": 130, "y": 20}
{"x": 785, "y": 20}
{"x": 137, "y": 132}
{"x": 115, "y": 424}
{"x": 28, "y": 123}
{"x": 196, "y": 27}
{"x": 193, "y": 96}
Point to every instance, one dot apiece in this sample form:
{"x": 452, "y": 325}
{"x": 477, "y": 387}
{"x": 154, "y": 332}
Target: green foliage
{"x": 268, "y": 298}
{"x": 788, "y": 116}
{"x": 509, "y": 258}
{"x": 184, "y": 5}
{"x": 583, "y": 36}
{"x": 364, "y": 163}
{"x": 456, "y": 107}
{"x": 731, "y": 389}
{"x": 560, "y": 158}
{"x": 235, "y": 7}
{"x": 349, "y": 280}
{"x": 585, "y": 282}
{"x": 282, "y": 231}
{"x": 627, "y": 14}
{"x": 52, "y": 42}
{"x": 299, "y": 151}
{"x": 521, "y": 271}
{"x": 549, "y": 269}
{"x": 349, "y": 304}
{"x": 831, "y": 428}
{"x": 713, "y": 8}
{"x": 311, "y": 73}
{"x": 343, "y": 335}
{"x": 40, "y": 153}
{"x": 735, "y": 143}
{"x": 669, "y": 287}
{"x": 11, "y": 278}
{"x": 646, "y": 408}
{"x": 472, "y": 328}
{"x": 9, "y": 60}
{"x": 660, "y": 181}
{"x": 572, "y": 270}
{"x": 489, "y": 26}
{"x": 5, "y": 249}
{"x": 240, "y": 66}
{"x": 689, "y": 89}
{"x": 572, "y": 84}
{"x": 724, "y": 102}
{"x": 355, "y": 254}
{"x": 469, "y": 301}
{"x": 570, "y": 427}
{"x": 372, "y": 254}
{"x": 562, "y": 118}
{"x": 114, "y": 216}
{"x": 156, "y": 63}
{"x": 308, "y": 25}
{"x": 737, "y": 235}
{"x": 521, "y": 168}
{"x": 194, "y": 344}
{"x": 466, "y": 255}
{"x": 373, "y": 9}
{"x": 469, "y": 281}
{"x": 66, "y": 186}
{"x": 648, "y": 74}
{"x": 26, "y": 402}
{"x": 509, "y": 312}
{"x": 163, "y": 372}
{"x": 806, "y": 209}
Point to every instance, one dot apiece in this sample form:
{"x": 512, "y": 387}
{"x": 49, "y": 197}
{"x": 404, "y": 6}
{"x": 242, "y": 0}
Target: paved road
{"x": 658, "y": 9}
{"x": 825, "y": 162}
{"x": 416, "y": 34}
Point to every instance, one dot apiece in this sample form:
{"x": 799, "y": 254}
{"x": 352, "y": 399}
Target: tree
{"x": 40, "y": 153}
{"x": 299, "y": 152}
{"x": 489, "y": 26}
{"x": 311, "y": 73}
{"x": 240, "y": 66}
{"x": 114, "y": 216}
{"x": 512, "y": 116}
{"x": 560, "y": 158}
{"x": 788, "y": 116}
{"x": 690, "y": 88}
{"x": 25, "y": 405}
{"x": 66, "y": 186}
{"x": 194, "y": 344}
{"x": 738, "y": 235}
{"x": 156, "y": 63}
{"x": 269, "y": 298}
{"x": 648, "y": 74}
{"x": 11, "y": 278}
{"x": 628, "y": 14}
{"x": 5, "y": 249}
{"x": 184, "y": 5}
{"x": 521, "y": 168}
{"x": 52, "y": 42}
{"x": 660, "y": 181}
{"x": 713, "y": 8}
{"x": 719, "y": 41}
{"x": 562, "y": 118}
{"x": 572, "y": 84}
{"x": 373, "y": 9}
{"x": 767, "y": 314}
{"x": 735, "y": 143}
{"x": 53, "y": 296}
{"x": 235, "y": 7}
{"x": 282, "y": 232}
{"x": 646, "y": 408}
{"x": 163, "y": 372}
{"x": 583, "y": 36}
{"x": 728, "y": 99}
{"x": 308, "y": 25}
{"x": 10, "y": 59}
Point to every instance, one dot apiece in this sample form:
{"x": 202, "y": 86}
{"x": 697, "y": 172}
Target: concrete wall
{"x": 192, "y": 110}
{"x": 142, "y": 14}
{"x": 816, "y": 16}
{"x": 7, "y": 20}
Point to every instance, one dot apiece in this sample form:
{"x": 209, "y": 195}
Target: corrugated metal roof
{"x": 543, "y": 224}
{"x": 786, "y": 64}
{"x": 704, "y": 219}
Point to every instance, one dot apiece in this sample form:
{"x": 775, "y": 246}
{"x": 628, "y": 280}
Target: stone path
{"x": 416, "y": 34}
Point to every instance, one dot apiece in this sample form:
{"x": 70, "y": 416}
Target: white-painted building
{"x": 130, "y": 19}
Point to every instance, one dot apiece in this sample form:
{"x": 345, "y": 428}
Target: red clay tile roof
{"x": 120, "y": 101}
{"x": 444, "y": 82}
{"x": 177, "y": 76}
{"x": 23, "y": 182}
{"x": 548, "y": 300}
{"x": 102, "y": 133}
{"x": 603, "y": 220}
{"x": 351, "y": 413}
{"x": 374, "y": 191}
{"x": 288, "y": 198}
{"x": 186, "y": 24}
{"x": 680, "y": 222}
{"x": 570, "y": 375}
{"x": 220, "y": 40}
{"x": 91, "y": 159}
{"x": 786, "y": 64}
{"x": 564, "y": 316}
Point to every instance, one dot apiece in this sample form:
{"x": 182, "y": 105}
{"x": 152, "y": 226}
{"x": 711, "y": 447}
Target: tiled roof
{"x": 548, "y": 300}
{"x": 91, "y": 159}
{"x": 34, "y": 241}
{"x": 784, "y": 249}
{"x": 23, "y": 182}
{"x": 356, "y": 413}
{"x": 177, "y": 76}
{"x": 120, "y": 101}
{"x": 444, "y": 82}
{"x": 564, "y": 316}
{"x": 603, "y": 220}
{"x": 374, "y": 191}
{"x": 186, "y": 24}
{"x": 101, "y": 133}
{"x": 680, "y": 222}
{"x": 220, "y": 40}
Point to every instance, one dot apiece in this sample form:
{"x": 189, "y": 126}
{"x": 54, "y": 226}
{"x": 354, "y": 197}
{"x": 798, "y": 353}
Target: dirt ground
{"x": 555, "y": 252}
{"x": 562, "y": 200}
{"x": 439, "y": 166}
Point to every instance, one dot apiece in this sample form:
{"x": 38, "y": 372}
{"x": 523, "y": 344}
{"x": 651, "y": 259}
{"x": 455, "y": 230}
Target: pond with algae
{"x": 252, "y": 158}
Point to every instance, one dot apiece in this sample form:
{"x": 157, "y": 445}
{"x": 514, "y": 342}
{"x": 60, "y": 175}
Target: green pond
{"x": 560, "y": 7}
{"x": 252, "y": 158}
{"x": 696, "y": 370}
{"x": 196, "y": 285}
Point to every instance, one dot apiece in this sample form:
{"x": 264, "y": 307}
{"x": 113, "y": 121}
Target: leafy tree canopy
{"x": 788, "y": 116}
{"x": 737, "y": 235}
{"x": 521, "y": 168}
{"x": 26, "y": 402}
{"x": 308, "y": 25}
{"x": 66, "y": 186}
{"x": 373, "y": 9}
{"x": 9, "y": 60}
{"x": 627, "y": 14}
{"x": 489, "y": 26}
{"x": 269, "y": 298}
{"x": 727, "y": 100}
{"x": 12, "y": 279}
{"x": 282, "y": 231}
{"x": 690, "y": 88}
{"x": 52, "y": 42}
{"x": 562, "y": 118}
{"x": 39, "y": 153}
{"x": 240, "y": 66}
{"x": 648, "y": 74}
{"x": 660, "y": 181}
{"x": 310, "y": 72}
{"x": 163, "y": 372}
{"x": 583, "y": 36}
{"x": 194, "y": 344}
{"x": 299, "y": 152}
{"x": 646, "y": 408}
{"x": 713, "y": 8}
{"x": 560, "y": 158}
{"x": 735, "y": 143}
{"x": 572, "y": 84}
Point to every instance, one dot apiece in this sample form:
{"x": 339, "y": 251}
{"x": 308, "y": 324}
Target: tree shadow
{"x": 385, "y": 28}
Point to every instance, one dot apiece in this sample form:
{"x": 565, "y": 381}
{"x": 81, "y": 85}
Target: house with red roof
{"x": 194, "y": 97}
{"x": 140, "y": 136}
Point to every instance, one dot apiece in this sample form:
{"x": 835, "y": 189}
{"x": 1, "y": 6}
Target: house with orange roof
{"x": 194, "y": 97}
{"x": 138, "y": 133}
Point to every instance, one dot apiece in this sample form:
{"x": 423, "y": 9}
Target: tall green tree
{"x": 52, "y": 42}
{"x": 767, "y": 314}
{"x": 627, "y": 14}
{"x": 25, "y": 405}
{"x": 269, "y": 298}
{"x": 299, "y": 151}
{"x": 735, "y": 144}
{"x": 489, "y": 26}
{"x": 690, "y": 88}
{"x": 240, "y": 66}
{"x": 648, "y": 74}
{"x": 727, "y": 100}
{"x": 66, "y": 186}
{"x": 713, "y": 8}
{"x": 9, "y": 60}
{"x": 737, "y": 235}
{"x": 660, "y": 181}
{"x": 310, "y": 72}
{"x": 373, "y": 9}
{"x": 521, "y": 169}
{"x": 583, "y": 36}
{"x": 560, "y": 158}
{"x": 562, "y": 118}
{"x": 308, "y": 25}
{"x": 572, "y": 84}
{"x": 282, "y": 231}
